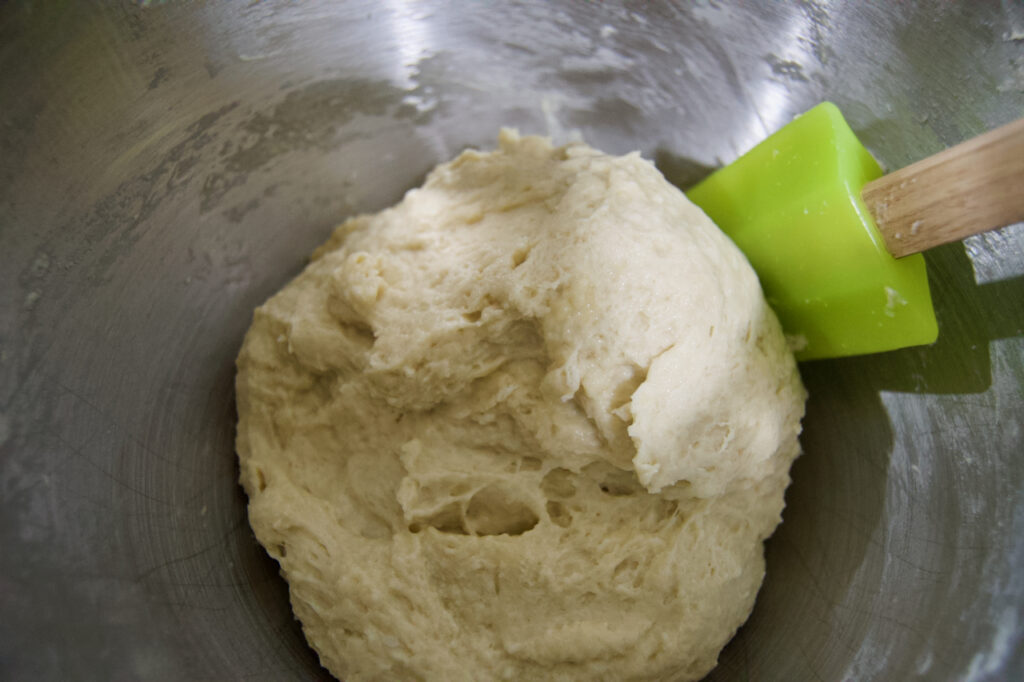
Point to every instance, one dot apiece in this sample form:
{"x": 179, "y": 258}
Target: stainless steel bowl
{"x": 165, "y": 167}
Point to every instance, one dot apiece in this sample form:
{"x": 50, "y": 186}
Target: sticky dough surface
{"x": 533, "y": 422}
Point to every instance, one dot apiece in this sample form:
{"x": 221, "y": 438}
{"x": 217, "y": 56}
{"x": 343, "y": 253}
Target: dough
{"x": 533, "y": 422}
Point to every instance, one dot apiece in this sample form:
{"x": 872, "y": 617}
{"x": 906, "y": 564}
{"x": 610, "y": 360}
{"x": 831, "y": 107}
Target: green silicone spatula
{"x": 837, "y": 245}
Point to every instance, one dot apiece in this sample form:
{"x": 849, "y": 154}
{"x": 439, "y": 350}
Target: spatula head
{"x": 792, "y": 204}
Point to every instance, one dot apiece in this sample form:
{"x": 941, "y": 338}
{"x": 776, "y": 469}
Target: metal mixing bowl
{"x": 165, "y": 167}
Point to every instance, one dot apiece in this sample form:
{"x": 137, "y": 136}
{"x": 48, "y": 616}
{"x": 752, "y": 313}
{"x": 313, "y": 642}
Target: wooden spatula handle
{"x": 977, "y": 185}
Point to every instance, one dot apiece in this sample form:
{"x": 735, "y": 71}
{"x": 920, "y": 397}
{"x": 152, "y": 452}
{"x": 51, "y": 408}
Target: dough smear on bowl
{"x": 533, "y": 422}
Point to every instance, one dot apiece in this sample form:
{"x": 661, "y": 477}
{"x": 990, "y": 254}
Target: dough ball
{"x": 532, "y": 423}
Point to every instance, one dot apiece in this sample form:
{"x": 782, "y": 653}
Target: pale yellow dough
{"x": 532, "y": 423}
